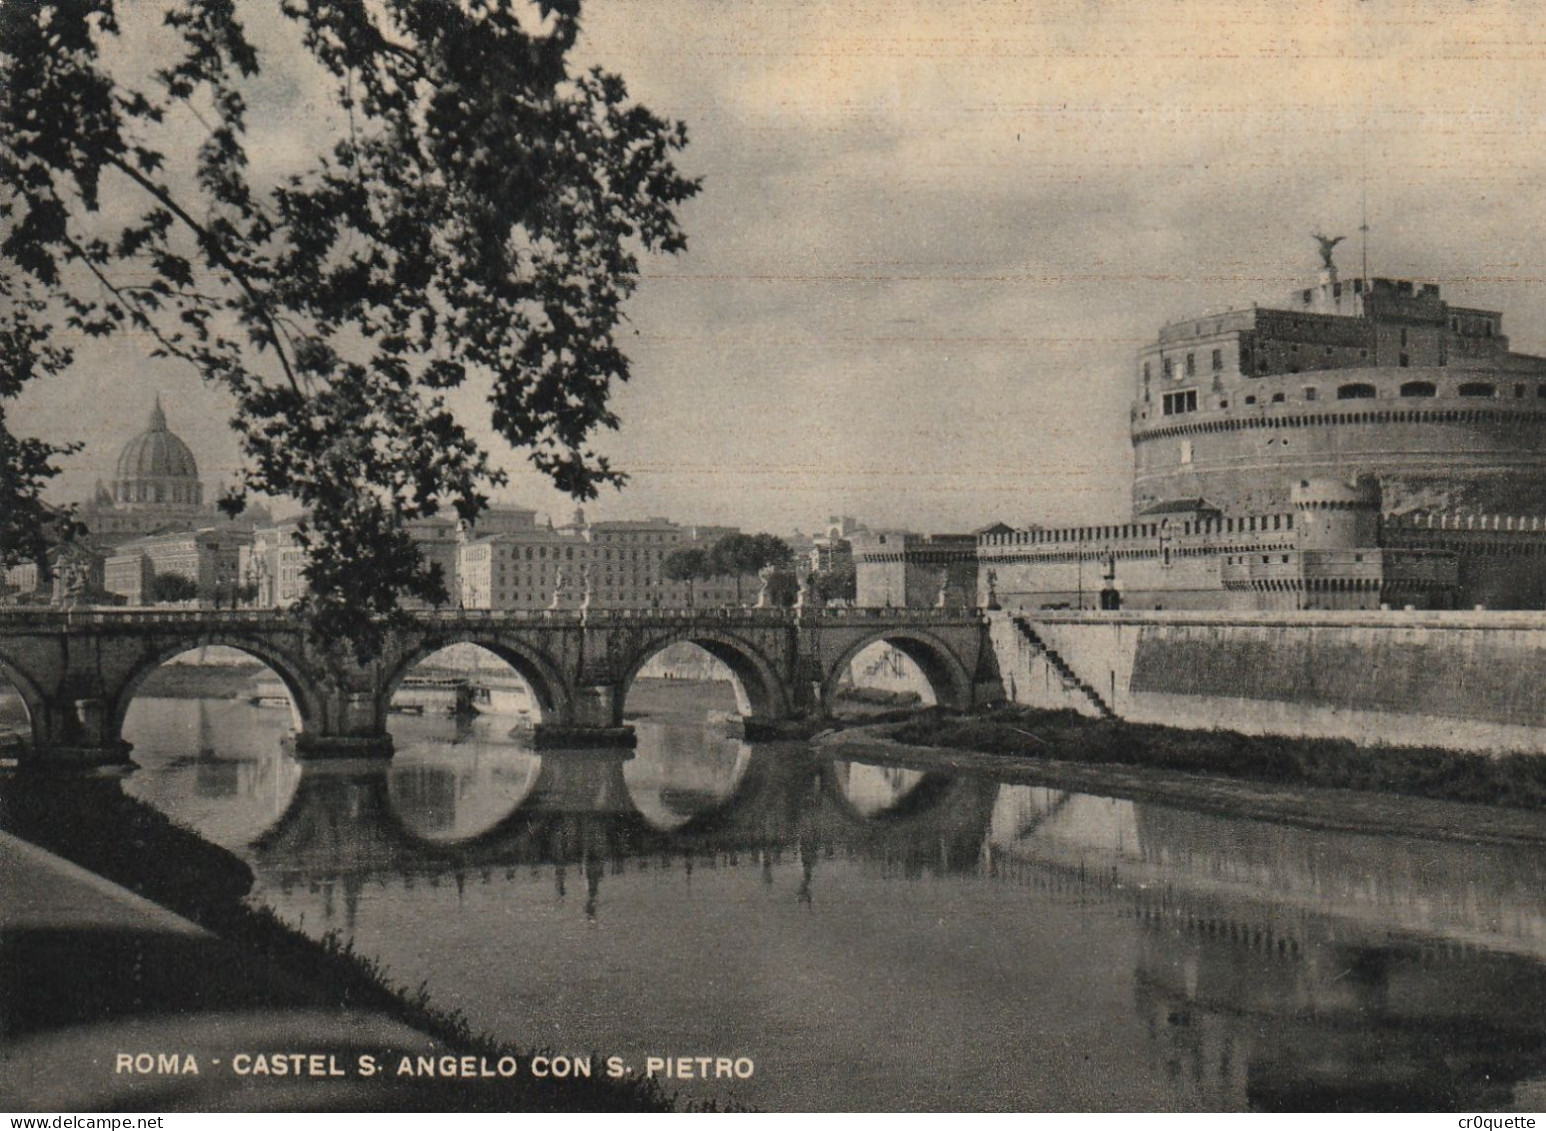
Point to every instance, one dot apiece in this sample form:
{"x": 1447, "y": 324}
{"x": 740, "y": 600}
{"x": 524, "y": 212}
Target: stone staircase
{"x": 1070, "y": 678}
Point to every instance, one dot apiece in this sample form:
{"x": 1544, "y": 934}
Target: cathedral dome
{"x": 157, "y": 467}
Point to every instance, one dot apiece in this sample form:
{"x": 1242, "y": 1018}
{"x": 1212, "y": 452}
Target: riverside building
{"x": 1364, "y": 444}
{"x": 607, "y": 565}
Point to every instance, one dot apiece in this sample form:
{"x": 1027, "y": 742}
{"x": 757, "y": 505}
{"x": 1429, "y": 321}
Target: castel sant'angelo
{"x": 1363, "y": 444}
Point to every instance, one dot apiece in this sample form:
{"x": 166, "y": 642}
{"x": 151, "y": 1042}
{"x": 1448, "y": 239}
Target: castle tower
{"x": 1335, "y": 515}
{"x": 1362, "y": 375}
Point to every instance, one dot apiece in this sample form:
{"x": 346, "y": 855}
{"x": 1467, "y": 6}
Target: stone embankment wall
{"x": 1467, "y": 681}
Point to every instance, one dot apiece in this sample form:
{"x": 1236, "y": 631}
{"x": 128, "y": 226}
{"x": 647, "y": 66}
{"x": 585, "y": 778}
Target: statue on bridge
{"x": 560, "y": 589}
{"x": 808, "y": 597}
{"x": 765, "y": 591}
{"x": 942, "y": 599}
{"x": 73, "y": 581}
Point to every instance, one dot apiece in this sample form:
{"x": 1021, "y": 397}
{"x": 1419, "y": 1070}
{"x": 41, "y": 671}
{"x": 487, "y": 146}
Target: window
{"x": 1476, "y": 389}
{"x": 1168, "y": 367}
{"x": 1418, "y": 389}
{"x": 1403, "y": 338}
{"x": 1519, "y": 392}
{"x": 1180, "y": 402}
{"x": 1218, "y": 360}
{"x": 1146, "y": 373}
{"x": 1250, "y": 400}
{"x": 1277, "y": 398}
{"x": 1191, "y": 365}
{"x": 1309, "y": 392}
{"x": 1355, "y": 392}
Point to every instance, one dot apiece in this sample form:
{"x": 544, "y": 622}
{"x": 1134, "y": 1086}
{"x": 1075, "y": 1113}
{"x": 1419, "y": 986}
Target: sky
{"x": 933, "y": 235}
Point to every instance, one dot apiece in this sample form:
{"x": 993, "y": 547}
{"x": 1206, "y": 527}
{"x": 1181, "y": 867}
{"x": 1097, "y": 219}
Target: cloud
{"x": 932, "y": 236}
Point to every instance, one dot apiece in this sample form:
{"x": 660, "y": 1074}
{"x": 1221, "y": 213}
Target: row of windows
{"x": 541, "y": 554}
{"x": 1191, "y": 365}
{"x": 1361, "y": 390}
{"x": 1358, "y": 390}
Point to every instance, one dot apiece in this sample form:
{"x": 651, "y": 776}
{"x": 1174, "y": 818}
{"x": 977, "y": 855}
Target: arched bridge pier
{"x": 77, "y": 671}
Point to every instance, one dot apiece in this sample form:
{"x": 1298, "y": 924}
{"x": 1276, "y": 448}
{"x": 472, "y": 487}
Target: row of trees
{"x": 172, "y": 588}
{"x": 737, "y": 556}
{"x": 742, "y": 555}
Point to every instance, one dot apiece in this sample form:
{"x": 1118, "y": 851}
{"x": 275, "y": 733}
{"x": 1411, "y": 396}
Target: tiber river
{"x": 878, "y": 938}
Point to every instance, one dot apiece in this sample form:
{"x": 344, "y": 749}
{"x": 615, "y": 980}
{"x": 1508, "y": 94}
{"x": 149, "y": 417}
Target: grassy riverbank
{"x": 92, "y": 823}
{"x": 1515, "y": 780}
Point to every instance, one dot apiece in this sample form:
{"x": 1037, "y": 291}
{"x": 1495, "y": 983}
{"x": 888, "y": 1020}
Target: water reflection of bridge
{"x": 1272, "y": 966}
{"x": 344, "y": 823}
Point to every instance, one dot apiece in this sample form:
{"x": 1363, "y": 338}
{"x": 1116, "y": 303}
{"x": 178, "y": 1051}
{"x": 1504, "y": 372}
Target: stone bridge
{"x": 77, "y": 671}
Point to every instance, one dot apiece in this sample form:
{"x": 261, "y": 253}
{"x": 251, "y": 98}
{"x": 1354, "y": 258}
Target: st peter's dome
{"x": 157, "y": 467}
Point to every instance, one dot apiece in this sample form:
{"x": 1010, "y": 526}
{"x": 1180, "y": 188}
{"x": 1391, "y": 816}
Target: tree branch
{"x": 213, "y": 248}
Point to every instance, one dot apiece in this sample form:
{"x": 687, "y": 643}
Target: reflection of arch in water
{"x": 434, "y": 800}
{"x": 306, "y": 711}
{"x": 872, "y": 789}
{"x": 680, "y": 772}
{"x": 548, "y": 687}
{"x": 947, "y": 676}
{"x": 28, "y": 693}
{"x": 342, "y": 822}
{"x": 913, "y": 792}
{"x": 759, "y": 692}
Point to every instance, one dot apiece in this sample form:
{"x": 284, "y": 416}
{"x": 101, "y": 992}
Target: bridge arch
{"x": 922, "y": 795}
{"x": 947, "y": 674}
{"x": 298, "y": 681}
{"x": 541, "y": 674}
{"x": 760, "y": 693}
{"x": 31, "y": 699}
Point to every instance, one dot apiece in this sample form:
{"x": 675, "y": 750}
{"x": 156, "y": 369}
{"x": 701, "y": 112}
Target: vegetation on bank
{"x": 92, "y": 823}
{"x": 1515, "y": 780}
{"x": 877, "y": 697}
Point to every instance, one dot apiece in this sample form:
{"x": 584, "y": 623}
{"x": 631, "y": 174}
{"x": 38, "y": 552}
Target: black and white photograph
{"x": 790, "y": 556}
